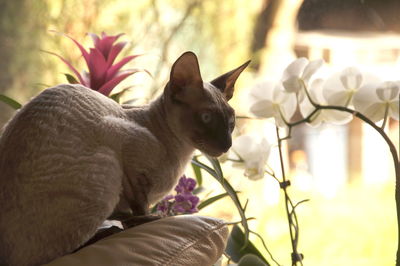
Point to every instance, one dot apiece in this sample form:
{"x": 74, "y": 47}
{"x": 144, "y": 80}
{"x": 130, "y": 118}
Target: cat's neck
{"x": 154, "y": 117}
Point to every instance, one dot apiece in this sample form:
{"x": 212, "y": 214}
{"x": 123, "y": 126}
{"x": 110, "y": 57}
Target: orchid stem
{"x": 308, "y": 94}
{"x": 395, "y": 157}
{"x": 385, "y": 119}
{"x": 381, "y": 131}
{"x": 296, "y": 257}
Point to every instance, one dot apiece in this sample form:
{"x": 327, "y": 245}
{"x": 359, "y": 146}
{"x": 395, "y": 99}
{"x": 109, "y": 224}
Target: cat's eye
{"x": 206, "y": 117}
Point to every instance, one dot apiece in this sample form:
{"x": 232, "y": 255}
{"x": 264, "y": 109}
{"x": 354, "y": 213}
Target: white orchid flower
{"x": 330, "y": 116}
{"x": 377, "y": 100}
{"x": 340, "y": 88}
{"x": 298, "y": 74}
{"x": 268, "y": 99}
{"x": 254, "y": 151}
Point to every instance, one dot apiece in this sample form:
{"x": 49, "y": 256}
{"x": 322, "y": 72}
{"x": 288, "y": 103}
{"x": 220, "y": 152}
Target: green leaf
{"x": 198, "y": 190}
{"x": 235, "y": 250}
{"x": 212, "y": 199}
{"x": 216, "y": 165}
{"x": 232, "y": 193}
{"x": 205, "y": 167}
{"x": 251, "y": 260}
{"x": 117, "y": 96}
{"x": 218, "y": 175}
{"x": 13, "y": 103}
{"x": 153, "y": 209}
{"x": 71, "y": 79}
{"x": 131, "y": 101}
{"x": 198, "y": 174}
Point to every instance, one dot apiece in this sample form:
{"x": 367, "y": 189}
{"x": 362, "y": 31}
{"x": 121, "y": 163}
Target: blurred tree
{"x": 264, "y": 22}
{"x": 278, "y": 48}
{"x": 219, "y": 32}
{"x": 22, "y": 24}
{"x": 355, "y": 15}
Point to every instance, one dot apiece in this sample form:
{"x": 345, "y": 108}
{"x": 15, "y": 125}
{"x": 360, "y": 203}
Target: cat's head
{"x": 198, "y": 112}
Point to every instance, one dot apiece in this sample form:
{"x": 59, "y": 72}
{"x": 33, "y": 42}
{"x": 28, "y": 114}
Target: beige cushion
{"x": 181, "y": 240}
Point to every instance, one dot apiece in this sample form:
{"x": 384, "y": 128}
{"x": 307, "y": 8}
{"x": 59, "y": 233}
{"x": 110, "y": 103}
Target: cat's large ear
{"x": 185, "y": 73}
{"x": 226, "y": 82}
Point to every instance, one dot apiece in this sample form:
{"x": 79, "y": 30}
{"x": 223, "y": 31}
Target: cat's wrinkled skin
{"x": 71, "y": 157}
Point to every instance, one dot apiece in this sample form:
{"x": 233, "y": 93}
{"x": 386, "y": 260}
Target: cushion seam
{"x": 171, "y": 254}
{"x": 205, "y": 228}
{"x": 194, "y": 240}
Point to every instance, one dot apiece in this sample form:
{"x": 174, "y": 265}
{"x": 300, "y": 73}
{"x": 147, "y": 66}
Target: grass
{"x": 356, "y": 228}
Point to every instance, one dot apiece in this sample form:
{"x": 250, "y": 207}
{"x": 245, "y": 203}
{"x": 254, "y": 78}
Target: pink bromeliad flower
{"x": 103, "y": 73}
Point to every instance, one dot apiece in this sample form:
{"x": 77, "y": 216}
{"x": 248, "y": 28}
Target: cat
{"x": 72, "y": 157}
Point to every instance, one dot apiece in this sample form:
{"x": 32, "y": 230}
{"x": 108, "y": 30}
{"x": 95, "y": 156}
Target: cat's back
{"x": 55, "y": 169}
{"x": 61, "y": 121}
{"x": 71, "y": 103}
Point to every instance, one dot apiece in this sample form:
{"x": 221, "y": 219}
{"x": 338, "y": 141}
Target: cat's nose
{"x": 225, "y": 143}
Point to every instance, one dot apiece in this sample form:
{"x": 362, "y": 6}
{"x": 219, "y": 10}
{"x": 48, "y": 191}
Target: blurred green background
{"x": 353, "y": 225}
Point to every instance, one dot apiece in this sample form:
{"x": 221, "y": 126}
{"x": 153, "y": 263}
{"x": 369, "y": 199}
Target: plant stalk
{"x": 287, "y": 200}
{"x": 390, "y": 144}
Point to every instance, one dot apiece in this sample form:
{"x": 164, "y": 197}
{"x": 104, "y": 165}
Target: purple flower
{"x": 185, "y": 184}
{"x": 164, "y": 206}
{"x": 186, "y": 203}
